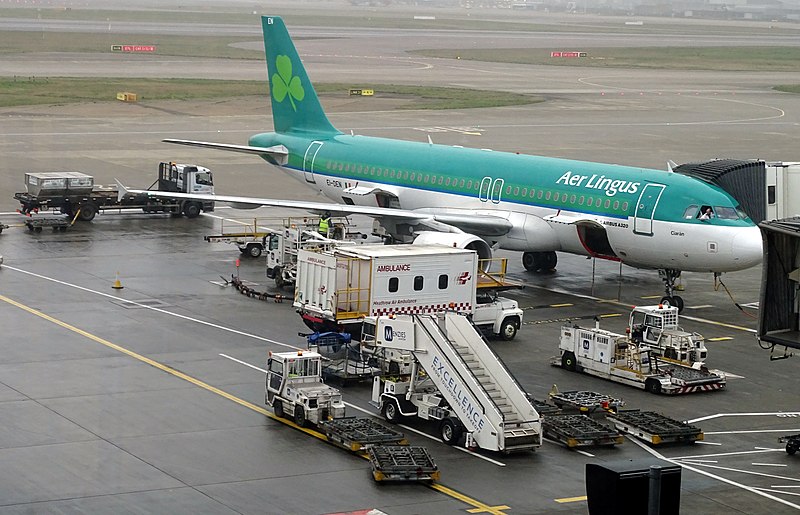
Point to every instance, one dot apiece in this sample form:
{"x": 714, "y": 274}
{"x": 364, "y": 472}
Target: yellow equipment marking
{"x": 571, "y": 499}
{"x": 610, "y": 315}
{"x": 650, "y": 297}
{"x": 719, "y": 339}
{"x": 564, "y": 305}
{"x": 481, "y": 507}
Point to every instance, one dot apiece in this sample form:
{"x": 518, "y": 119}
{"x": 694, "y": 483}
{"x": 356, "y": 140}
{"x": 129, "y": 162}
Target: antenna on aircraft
{"x": 352, "y": 133}
{"x": 430, "y": 141}
{"x": 671, "y": 166}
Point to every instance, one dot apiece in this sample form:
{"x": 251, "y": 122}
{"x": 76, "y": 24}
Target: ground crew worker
{"x": 325, "y": 223}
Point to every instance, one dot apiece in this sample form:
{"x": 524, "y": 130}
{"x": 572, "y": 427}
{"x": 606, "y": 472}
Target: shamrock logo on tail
{"x": 285, "y": 84}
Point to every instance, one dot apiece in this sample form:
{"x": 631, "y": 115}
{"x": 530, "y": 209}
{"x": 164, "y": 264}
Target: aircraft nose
{"x": 747, "y": 247}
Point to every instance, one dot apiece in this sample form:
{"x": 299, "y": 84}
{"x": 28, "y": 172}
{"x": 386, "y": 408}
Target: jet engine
{"x": 461, "y": 240}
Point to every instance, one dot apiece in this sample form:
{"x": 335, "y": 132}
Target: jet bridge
{"x": 779, "y": 306}
{"x": 473, "y": 382}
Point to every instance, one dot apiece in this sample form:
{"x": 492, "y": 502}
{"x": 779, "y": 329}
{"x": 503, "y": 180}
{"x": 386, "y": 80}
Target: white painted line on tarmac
{"x": 702, "y": 442}
{"x": 358, "y": 408}
{"x": 714, "y": 476}
{"x": 762, "y": 414}
{"x": 769, "y": 464}
{"x": 778, "y": 491}
{"x": 244, "y": 363}
{"x": 159, "y": 310}
{"x": 750, "y": 472}
{"x": 744, "y": 431}
{"x": 784, "y": 486}
{"x": 738, "y": 453}
{"x": 701, "y": 461}
{"x": 579, "y": 451}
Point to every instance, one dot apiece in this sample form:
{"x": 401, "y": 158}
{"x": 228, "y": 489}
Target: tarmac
{"x": 149, "y": 398}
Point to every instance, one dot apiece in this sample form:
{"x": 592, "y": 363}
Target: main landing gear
{"x": 670, "y": 299}
{"x": 539, "y": 261}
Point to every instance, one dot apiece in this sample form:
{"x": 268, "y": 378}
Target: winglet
{"x": 121, "y": 190}
{"x": 671, "y": 166}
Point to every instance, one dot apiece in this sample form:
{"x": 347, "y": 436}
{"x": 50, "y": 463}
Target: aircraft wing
{"x": 466, "y": 221}
{"x": 310, "y": 206}
{"x": 277, "y": 155}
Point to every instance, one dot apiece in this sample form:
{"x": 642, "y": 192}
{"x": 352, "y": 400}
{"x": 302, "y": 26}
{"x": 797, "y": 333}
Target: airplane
{"x": 485, "y": 200}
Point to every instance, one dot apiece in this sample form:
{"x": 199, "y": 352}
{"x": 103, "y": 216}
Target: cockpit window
{"x": 690, "y": 212}
{"x": 726, "y": 213}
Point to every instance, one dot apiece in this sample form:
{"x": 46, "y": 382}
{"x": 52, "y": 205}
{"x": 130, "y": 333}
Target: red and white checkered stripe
{"x": 430, "y": 308}
{"x": 697, "y": 388}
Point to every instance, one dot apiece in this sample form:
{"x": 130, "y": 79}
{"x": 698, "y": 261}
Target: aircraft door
{"x": 646, "y": 208}
{"x": 308, "y": 160}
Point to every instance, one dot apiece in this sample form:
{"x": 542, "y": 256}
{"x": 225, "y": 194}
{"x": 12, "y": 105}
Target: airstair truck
{"x": 338, "y": 287}
{"x": 456, "y": 380}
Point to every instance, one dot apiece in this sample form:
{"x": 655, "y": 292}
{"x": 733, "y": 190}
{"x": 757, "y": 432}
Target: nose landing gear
{"x": 670, "y": 299}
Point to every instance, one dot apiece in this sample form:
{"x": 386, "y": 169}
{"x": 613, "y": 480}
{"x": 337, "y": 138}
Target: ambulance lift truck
{"x": 621, "y": 359}
{"x": 74, "y": 193}
{"x": 338, "y": 287}
{"x": 455, "y": 380}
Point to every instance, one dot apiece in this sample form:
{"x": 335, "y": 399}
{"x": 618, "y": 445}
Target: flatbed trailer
{"x": 75, "y": 194}
{"x": 402, "y": 463}
{"x": 654, "y": 428}
{"x": 357, "y": 434}
{"x": 579, "y": 431}
{"x": 792, "y": 443}
{"x": 584, "y": 400}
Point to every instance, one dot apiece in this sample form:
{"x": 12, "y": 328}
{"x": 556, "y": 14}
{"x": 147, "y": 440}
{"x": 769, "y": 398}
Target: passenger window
{"x": 394, "y": 283}
{"x": 418, "y": 283}
{"x": 443, "y": 282}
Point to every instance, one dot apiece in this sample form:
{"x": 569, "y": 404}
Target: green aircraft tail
{"x": 295, "y": 106}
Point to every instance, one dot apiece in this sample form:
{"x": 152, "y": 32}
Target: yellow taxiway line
{"x": 479, "y": 507}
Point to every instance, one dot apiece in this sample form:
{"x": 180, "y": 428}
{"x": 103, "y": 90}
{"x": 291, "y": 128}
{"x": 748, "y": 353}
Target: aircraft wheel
{"x": 391, "y": 412}
{"x": 675, "y": 301}
{"x": 652, "y": 386}
{"x": 451, "y": 431}
{"x": 569, "y": 362}
{"x": 529, "y": 261}
{"x": 791, "y": 449}
{"x": 550, "y": 261}
{"x": 277, "y": 407}
{"x": 299, "y": 416}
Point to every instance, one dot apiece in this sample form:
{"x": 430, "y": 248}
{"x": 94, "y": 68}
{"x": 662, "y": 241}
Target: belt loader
{"x": 455, "y": 380}
{"x": 624, "y": 360}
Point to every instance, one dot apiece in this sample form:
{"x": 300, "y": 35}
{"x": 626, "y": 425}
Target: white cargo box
{"x": 58, "y": 183}
{"x": 346, "y": 284}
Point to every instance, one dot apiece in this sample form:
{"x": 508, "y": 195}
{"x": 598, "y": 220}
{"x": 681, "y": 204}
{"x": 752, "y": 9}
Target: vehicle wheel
{"x": 38, "y": 228}
{"x": 88, "y": 211}
{"x": 391, "y": 412}
{"x": 569, "y": 362}
{"x": 508, "y": 329}
{"x": 63, "y": 228}
{"x": 451, "y": 431}
{"x": 191, "y": 209}
{"x": 652, "y": 386}
{"x": 279, "y": 282}
{"x": 253, "y": 250}
{"x": 299, "y": 416}
{"x": 791, "y": 449}
{"x": 277, "y": 408}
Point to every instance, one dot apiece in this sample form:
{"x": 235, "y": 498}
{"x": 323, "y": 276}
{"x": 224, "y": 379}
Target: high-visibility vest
{"x": 324, "y": 223}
